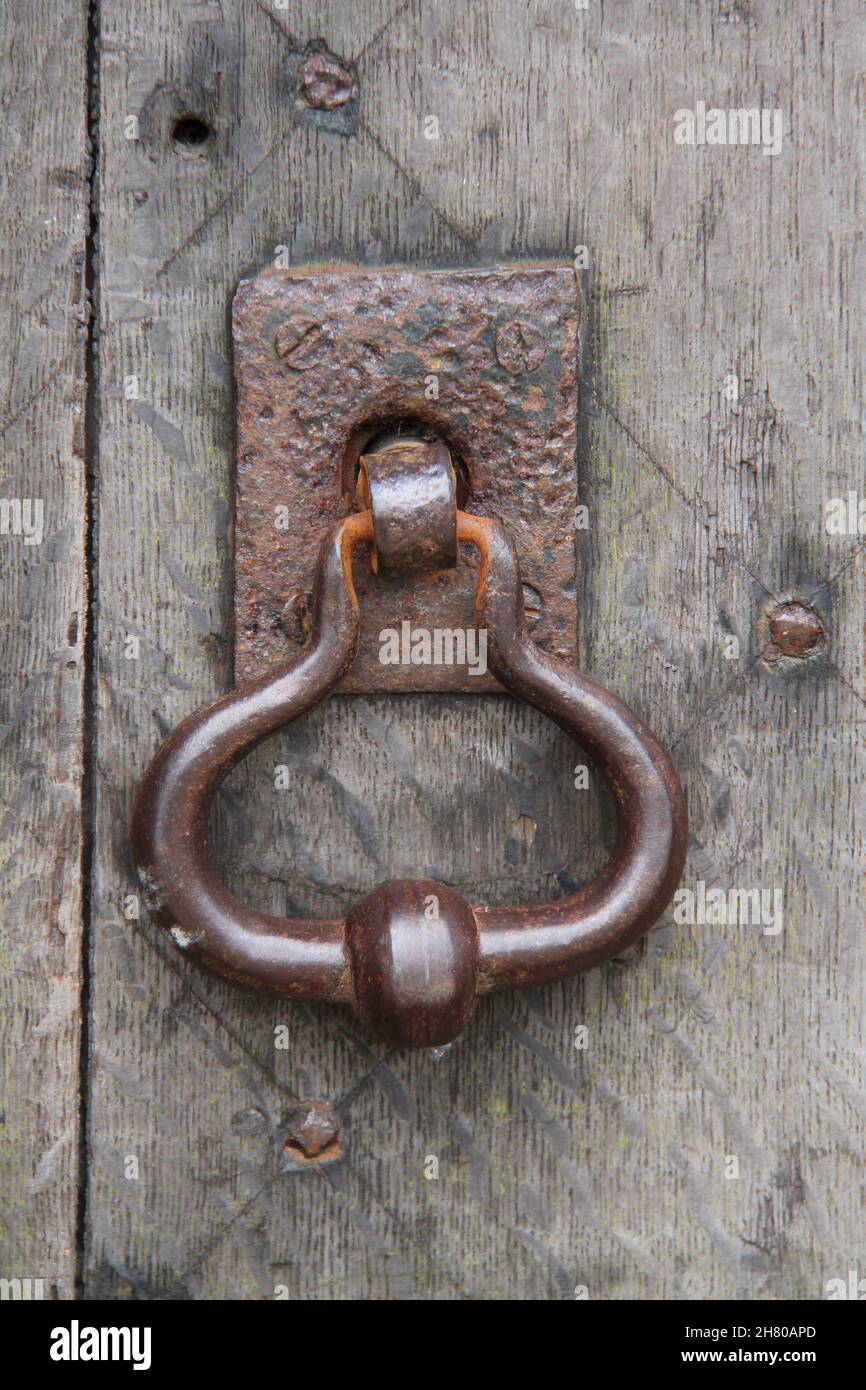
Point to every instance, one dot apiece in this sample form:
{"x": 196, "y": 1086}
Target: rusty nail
{"x": 298, "y": 616}
{"x": 297, "y": 343}
{"x": 313, "y": 1127}
{"x": 796, "y": 630}
{"x": 520, "y": 348}
{"x": 325, "y": 83}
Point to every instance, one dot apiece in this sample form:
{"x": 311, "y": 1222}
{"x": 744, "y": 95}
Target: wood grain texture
{"x": 603, "y": 1168}
{"x": 44, "y": 217}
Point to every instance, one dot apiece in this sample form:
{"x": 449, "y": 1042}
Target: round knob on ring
{"x": 413, "y": 948}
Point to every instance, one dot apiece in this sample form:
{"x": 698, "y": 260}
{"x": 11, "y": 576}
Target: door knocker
{"x": 327, "y": 363}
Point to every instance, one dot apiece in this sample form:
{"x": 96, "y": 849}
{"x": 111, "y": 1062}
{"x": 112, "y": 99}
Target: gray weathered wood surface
{"x": 44, "y": 209}
{"x": 604, "y": 1169}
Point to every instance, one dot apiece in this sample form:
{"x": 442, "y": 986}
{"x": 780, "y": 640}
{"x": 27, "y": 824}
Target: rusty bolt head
{"x": 324, "y": 83}
{"x": 795, "y": 631}
{"x": 313, "y": 1127}
{"x": 298, "y": 343}
{"x": 520, "y": 348}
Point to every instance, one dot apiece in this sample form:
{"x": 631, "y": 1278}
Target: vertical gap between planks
{"x": 89, "y": 759}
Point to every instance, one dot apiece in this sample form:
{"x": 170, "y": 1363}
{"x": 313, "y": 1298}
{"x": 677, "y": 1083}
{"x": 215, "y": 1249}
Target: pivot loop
{"x": 410, "y": 489}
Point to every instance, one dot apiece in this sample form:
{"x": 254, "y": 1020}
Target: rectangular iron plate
{"x": 325, "y": 358}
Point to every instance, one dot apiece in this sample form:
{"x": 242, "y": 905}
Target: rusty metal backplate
{"x": 326, "y": 359}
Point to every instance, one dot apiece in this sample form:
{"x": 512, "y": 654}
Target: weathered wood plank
{"x": 44, "y": 216}
{"x": 607, "y": 1167}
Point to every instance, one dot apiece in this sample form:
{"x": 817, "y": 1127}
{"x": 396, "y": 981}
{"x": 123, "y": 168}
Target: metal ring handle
{"x": 412, "y": 956}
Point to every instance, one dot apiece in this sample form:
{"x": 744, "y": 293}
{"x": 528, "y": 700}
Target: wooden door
{"x": 685, "y": 1122}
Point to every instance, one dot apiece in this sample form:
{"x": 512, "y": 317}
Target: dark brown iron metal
{"x": 412, "y": 956}
{"x": 324, "y": 82}
{"x": 795, "y": 630}
{"x": 411, "y": 492}
{"x": 328, "y": 359}
{"x": 313, "y": 1133}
